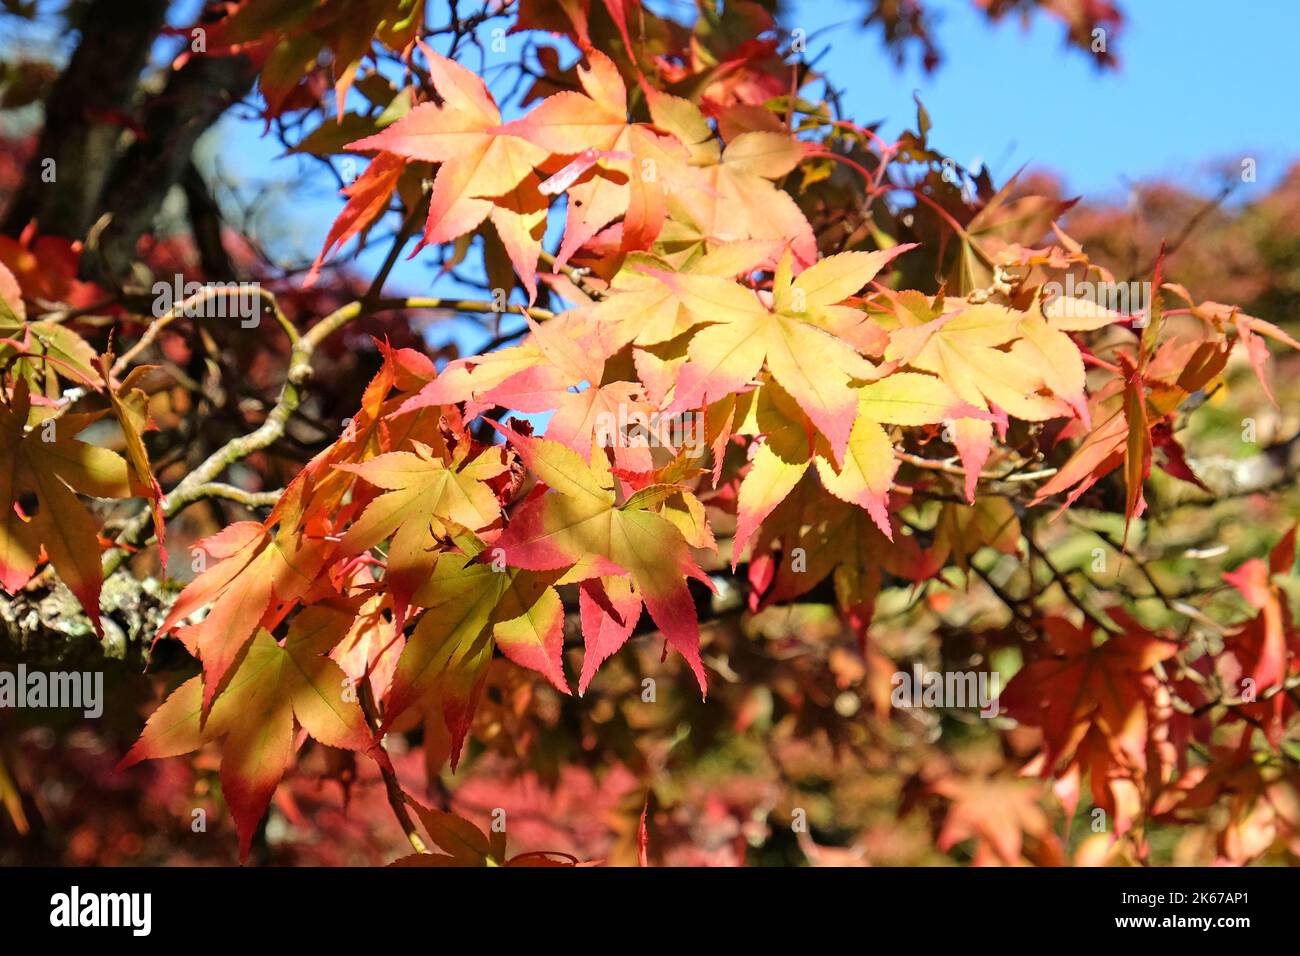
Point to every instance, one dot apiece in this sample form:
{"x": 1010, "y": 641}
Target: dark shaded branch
{"x": 43, "y": 625}
{"x": 205, "y": 222}
{"x": 193, "y": 99}
{"x": 84, "y": 118}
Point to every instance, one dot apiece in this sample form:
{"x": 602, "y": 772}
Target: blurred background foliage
{"x": 797, "y": 757}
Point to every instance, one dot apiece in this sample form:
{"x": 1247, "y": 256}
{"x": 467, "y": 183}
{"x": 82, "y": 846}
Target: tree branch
{"x": 194, "y": 97}
{"x": 392, "y": 787}
{"x": 84, "y": 118}
{"x": 187, "y": 490}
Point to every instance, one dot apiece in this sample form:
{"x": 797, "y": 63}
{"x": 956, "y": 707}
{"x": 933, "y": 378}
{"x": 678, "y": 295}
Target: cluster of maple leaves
{"x": 418, "y": 543}
{"x": 46, "y": 467}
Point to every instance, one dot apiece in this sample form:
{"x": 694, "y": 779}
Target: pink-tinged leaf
{"x": 530, "y": 627}
{"x": 609, "y": 608}
{"x": 769, "y": 480}
{"x": 367, "y": 200}
{"x": 974, "y": 442}
{"x": 254, "y": 716}
{"x": 520, "y": 220}
{"x": 868, "y": 471}
{"x": 479, "y": 159}
{"x": 577, "y": 526}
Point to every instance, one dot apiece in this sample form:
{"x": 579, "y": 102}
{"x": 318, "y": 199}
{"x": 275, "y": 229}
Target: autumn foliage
{"x": 795, "y": 400}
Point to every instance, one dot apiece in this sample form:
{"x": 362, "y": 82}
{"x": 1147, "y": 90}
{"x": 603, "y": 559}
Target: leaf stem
{"x": 392, "y": 788}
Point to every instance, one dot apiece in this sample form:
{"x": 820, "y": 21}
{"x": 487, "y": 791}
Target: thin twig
{"x": 949, "y": 466}
{"x": 392, "y": 787}
{"x": 249, "y": 499}
{"x": 1061, "y": 580}
{"x": 190, "y": 488}
{"x": 186, "y": 308}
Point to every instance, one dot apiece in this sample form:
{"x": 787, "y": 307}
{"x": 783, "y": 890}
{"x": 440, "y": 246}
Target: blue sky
{"x": 1200, "y": 83}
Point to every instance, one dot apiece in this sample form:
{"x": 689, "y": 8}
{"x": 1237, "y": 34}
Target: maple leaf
{"x": 810, "y": 363}
{"x": 559, "y": 369}
{"x": 367, "y": 200}
{"x": 578, "y": 526}
{"x": 835, "y": 539}
{"x": 997, "y": 813}
{"x": 1080, "y": 683}
{"x": 579, "y": 414}
{"x": 446, "y": 655}
{"x": 258, "y": 575}
{"x": 570, "y": 123}
{"x": 619, "y": 168}
{"x": 961, "y": 346}
{"x": 130, "y": 405}
{"x": 422, "y": 495}
{"x": 1129, "y": 417}
{"x": 1095, "y": 705}
{"x": 726, "y": 195}
{"x": 649, "y": 307}
{"x": 1251, "y": 332}
{"x": 43, "y": 470}
{"x": 372, "y": 645}
{"x": 480, "y": 159}
{"x": 519, "y": 217}
{"x": 1263, "y": 802}
{"x": 869, "y": 465}
{"x": 464, "y": 844}
{"x": 904, "y": 398}
{"x": 961, "y": 531}
{"x": 1100, "y": 452}
{"x": 1266, "y": 645}
{"x": 528, "y": 625}
{"x": 254, "y": 716}
{"x": 609, "y": 608}
{"x": 777, "y": 463}
{"x": 473, "y": 606}
{"x": 556, "y": 356}
{"x": 1053, "y": 355}
{"x": 41, "y": 352}
{"x": 285, "y": 41}
{"x": 1002, "y": 221}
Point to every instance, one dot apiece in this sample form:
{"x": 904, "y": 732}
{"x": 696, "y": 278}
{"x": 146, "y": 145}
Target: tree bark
{"x": 98, "y": 193}
{"x": 84, "y": 118}
{"x": 194, "y": 98}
